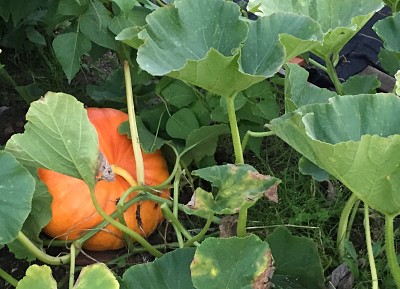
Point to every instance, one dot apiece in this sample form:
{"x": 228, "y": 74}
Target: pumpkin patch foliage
{"x": 162, "y": 160}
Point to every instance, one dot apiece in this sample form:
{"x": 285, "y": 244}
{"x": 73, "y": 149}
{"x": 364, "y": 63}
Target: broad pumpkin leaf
{"x": 179, "y": 94}
{"x": 355, "y": 138}
{"x": 125, "y": 5}
{"x": 96, "y": 276}
{"x": 203, "y": 142}
{"x": 20, "y": 9}
{"x": 207, "y": 44}
{"x": 94, "y": 24}
{"x": 182, "y": 123}
{"x": 299, "y": 92}
{"x": 169, "y": 271}
{"x": 130, "y": 18}
{"x": 338, "y": 27}
{"x": 17, "y": 188}
{"x": 236, "y": 187}
{"x": 39, "y": 217}
{"x": 37, "y": 277}
{"x": 68, "y": 48}
{"x": 92, "y": 276}
{"x": 232, "y": 263}
{"x": 58, "y": 136}
{"x": 361, "y": 84}
{"x": 386, "y": 29}
{"x": 389, "y": 60}
{"x": 296, "y": 261}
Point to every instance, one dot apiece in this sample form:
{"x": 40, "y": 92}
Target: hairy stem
{"x": 237, "y": 145}
{"x": 42, "y": 256}
{"x": 168, "y": 214}
{"x": 390, "y": 250}
{"x": 133, "y": 126}
{"x": 72, "y": 267}
{"x": 344, "y": 219}
{"x": 175, "y": 207}
{"x": 242, "y": 221}
{"x": 333, "y": 76}
{"x": 371, "y": 258}
{"x": 202, "y": 233}
{"x": 123, "y": 228}
{"x": 10, "y": 279}
{"x": 254, "y": 134}
{"x": 120, "y": 208}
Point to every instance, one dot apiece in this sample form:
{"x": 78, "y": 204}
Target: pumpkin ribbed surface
{"x": 73, "y": 212}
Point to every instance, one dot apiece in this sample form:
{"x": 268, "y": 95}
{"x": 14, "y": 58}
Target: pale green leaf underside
{"x": 238, "y": 186}
{"x": 230, "y": 262}
{"x": 330, "y": 14}
{"x": 354, "y": 138}
{"x": 208, "y": 45}
{"x": 339, "y": 20}
{"x": 16, "y": 191}
{"x": 58, "y": 136}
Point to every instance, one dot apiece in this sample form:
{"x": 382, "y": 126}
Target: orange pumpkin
{"x": 73, "y": 212}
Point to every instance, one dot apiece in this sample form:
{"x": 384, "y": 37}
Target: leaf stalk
{"x": 390, "y": 250}
{"x": 237, "y": 146}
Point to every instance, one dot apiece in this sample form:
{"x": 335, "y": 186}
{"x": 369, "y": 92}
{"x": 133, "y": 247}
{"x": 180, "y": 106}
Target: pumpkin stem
{"x": 124, "y": 174}
{"x": 133, "y": 126}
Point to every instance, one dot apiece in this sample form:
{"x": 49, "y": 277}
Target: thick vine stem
{"x": 237, "y": 145}
{"x": 254, "y": 134}
{"x": 390, "y": 250}
{"x": 202, "y": 233}
{"x": 242, "y": 221}
{"x": 169, "y": 215}
{"x": 371, "y": 258}
{"x": 175, "y": 207}
{"x": 72, "y": 267}
{"x": 42, "y": 256}
{"x": 344, "y": 219}
{"x": 330, "y": 69}
{"x": 133, "y": 126}
{"x": 10, "y": 279}
{"x": 123, "y": 228}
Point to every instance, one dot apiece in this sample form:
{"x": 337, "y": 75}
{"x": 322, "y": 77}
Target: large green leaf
{"x": 59, "y": 137}
{"x": 168, "y": 271}
{"x": 299, "y": 92}
{"x": 96, "y": 276}
{"x": 37, "y": 277}
{"x": 388, "y": 29}
{"x": 207, "y": 44}
{"x": 182, "y": 123}
{"x": 39, "y": 216}
{"x": 94, "y": 24}
{"x": 238, "y": 186}
{"x": 296, "y": 261}
{"x": 68, "y": 48}
{"x": 16, "y": 192}
{"x": 354, "y": 138}
{"x": 339, "y": 19}
{"x": 203, "y": 142}
{"x": 232, "y": 263}
{"x": 92, "y": 276}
